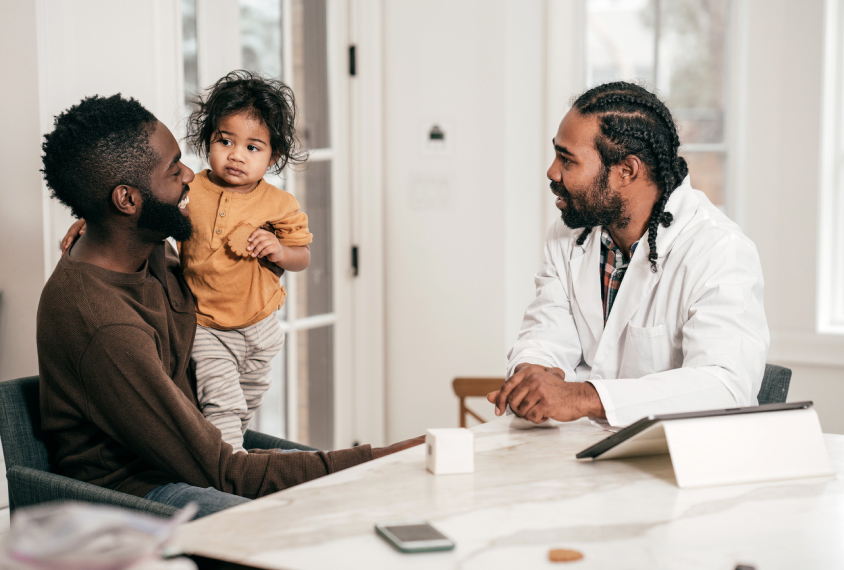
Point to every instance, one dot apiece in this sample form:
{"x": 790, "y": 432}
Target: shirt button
{"x": 222, "y": 214}
{"x": 219, "y": 230}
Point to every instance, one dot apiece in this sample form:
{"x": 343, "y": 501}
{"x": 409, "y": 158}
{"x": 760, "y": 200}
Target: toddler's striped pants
{"x": 233, "y": 372}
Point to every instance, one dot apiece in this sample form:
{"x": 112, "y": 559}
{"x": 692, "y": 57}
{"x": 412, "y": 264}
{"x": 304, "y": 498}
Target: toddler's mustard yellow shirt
{"x": 231, "y": 291}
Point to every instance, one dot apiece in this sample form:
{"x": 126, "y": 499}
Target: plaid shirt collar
{"x": 613, "y": 268}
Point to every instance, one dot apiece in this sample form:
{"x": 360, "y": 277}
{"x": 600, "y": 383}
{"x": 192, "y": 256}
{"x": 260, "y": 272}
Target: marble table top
{"x": 529, "y": 494}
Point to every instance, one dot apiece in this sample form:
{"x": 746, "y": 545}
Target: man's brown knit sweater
{"x": 118, "y": 395}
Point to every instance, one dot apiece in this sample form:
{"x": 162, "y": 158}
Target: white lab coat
{"x": 692, "y": 336}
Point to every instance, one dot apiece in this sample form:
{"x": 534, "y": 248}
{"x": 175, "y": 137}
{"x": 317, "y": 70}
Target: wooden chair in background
{"x": 473, "y": 387}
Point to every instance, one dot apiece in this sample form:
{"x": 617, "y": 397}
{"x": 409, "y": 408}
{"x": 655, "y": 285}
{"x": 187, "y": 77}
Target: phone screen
{"x": 415, "y": 532}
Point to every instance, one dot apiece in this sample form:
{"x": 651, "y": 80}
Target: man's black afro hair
{"x": 97, "y": 145}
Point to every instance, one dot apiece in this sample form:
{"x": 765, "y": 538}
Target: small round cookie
{"x": 563, "y": 555}
{"x": 238, "y": 239}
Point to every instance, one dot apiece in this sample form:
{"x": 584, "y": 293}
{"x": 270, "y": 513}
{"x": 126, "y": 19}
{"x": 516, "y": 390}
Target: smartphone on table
{"x": 414, "y": 536}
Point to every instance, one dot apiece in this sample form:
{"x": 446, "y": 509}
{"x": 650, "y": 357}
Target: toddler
{"x": 243, "y": 127}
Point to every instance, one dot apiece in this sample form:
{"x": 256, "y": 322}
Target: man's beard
{"x": 600, "y": 205}
{"x": 164, "y": 218}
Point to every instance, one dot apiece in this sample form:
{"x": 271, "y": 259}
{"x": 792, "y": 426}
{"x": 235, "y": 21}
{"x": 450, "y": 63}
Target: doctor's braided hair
{"x": 633, "y": 121}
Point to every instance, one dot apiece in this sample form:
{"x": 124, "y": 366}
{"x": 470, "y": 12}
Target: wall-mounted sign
{"x": 437, "y": 139}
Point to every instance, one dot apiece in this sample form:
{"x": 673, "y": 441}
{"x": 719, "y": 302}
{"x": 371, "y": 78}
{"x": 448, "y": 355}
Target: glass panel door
{"x": 303, "y": 388}
{"x": 288, "y": 39}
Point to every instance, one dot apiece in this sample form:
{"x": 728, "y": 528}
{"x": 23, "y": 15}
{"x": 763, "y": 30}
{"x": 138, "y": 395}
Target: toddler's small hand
{"x": 264, "y": 244}
{"x": 73, "y": 233}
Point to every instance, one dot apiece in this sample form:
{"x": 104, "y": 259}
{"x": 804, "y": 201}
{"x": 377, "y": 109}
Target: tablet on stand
{"x": 723, "y": 447}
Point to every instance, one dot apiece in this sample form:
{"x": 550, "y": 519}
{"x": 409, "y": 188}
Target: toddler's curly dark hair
{"x": 262, "y": 98}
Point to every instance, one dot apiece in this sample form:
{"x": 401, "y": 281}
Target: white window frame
{"x": 292, "y": 324}
{"x": 830, "y": 275}
{"x": 364, "y": 412}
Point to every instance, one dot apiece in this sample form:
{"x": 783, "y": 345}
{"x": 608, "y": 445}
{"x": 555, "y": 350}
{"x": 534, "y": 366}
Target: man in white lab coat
{"x": 649, "y": 300}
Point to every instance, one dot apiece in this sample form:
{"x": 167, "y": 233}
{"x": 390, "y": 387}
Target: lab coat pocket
{"x": 647, "y": 350}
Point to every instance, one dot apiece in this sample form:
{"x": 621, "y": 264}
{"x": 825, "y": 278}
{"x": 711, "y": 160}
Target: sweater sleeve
{"x": 131, "y": 398}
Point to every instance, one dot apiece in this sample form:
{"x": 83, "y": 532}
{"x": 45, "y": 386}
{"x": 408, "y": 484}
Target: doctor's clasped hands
{"x": 538, "y": 393}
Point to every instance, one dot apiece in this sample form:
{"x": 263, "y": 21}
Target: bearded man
{"x": 649, "y": 300}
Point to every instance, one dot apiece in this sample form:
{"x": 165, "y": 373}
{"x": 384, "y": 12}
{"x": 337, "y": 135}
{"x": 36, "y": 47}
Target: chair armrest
{"x": 258, "y": 440}
{"x": 29, "y": 486}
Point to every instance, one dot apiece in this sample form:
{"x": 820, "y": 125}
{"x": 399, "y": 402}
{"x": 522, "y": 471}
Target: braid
{"x": 583, "y": 235}
{"x": 659, "y": 215}
{"x": 634, "y": 121}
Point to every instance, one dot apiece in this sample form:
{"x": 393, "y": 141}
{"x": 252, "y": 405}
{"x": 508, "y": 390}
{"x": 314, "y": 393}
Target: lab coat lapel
{"x": 586, "y": 281}
{"x": 639, "y": 280}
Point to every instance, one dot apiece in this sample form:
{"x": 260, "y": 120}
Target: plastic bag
{"x": 77, "y": 536}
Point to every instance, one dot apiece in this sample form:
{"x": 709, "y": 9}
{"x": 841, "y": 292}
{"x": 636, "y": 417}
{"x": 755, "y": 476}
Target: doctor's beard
{"x": 598, "y": 205}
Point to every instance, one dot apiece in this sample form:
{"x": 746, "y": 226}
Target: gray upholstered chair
{"x": 775, "y": 383}
{"x": 32, "y": 474}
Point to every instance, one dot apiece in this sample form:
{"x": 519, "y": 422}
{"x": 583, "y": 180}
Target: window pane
{"x": 269, "y": 418}
{"x": 620, "y": 41}
{"x": 282, "y": 312}
{"x": 316, "y": 387}
{"x": 315, "y": 285}
{"x": 310, "y": 71}
{"x": 260, "y": 36}
{"x": 692, "y": 66}
{"x": 191, "y": 68}
{"x": 707, "y": 174}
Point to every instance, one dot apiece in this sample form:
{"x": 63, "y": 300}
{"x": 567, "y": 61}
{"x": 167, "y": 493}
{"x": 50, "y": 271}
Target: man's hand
{"x": 521, "y": 372}
{"x": 537, "y": 393}
{"x": 396, "y": 447}
{"x": 74, "y": 232}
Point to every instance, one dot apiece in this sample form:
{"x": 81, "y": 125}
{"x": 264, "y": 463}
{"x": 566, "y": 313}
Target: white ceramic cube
{"x": 450, "y": 450}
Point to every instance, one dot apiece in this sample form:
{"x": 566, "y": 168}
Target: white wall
{"x": 91, "y": 47}
{"x": 459, "y": 264}
{"x": 54, "y": 53}
{"x": 22, "y": 273}
{"x": 783, "y": 129}
{"x": 20, "y": 202}
{"x": 57, "y": 53}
